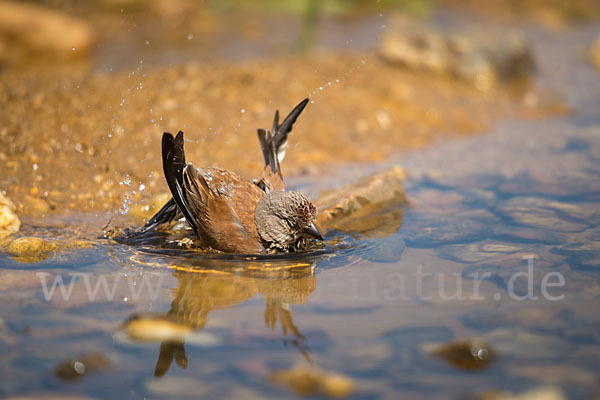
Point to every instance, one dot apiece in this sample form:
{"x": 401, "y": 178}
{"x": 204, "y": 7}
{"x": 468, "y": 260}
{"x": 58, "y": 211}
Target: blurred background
{"x": 100, "y": 80}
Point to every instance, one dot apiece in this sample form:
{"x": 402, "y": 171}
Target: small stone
{"x": 470, "y": 355}
{"x": 9, "y": 222}
{"x": 155, "y": 329}
{"x": 309, "y": 381}
{"x": 541, "y": 393}
{"x": 31, "y": 249}
{"x": 370, "y": 206}
{"x": 77, "y": 368}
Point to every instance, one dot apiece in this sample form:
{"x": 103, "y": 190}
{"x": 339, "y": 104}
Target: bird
{"x": 230, "y": 214}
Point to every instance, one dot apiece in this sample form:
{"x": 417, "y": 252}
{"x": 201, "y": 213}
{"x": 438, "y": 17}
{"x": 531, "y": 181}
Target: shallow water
{"x": 486, "y": 215}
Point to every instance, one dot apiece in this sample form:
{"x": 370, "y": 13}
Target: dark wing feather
{"x": 273, "y": 145}
{"x": 168, "y": 213}
{"x": 280, "y": 134}
{"x": 173, "y": 166}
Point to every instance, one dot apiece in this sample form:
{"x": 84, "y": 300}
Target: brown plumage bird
{"x": 230, "y": 214}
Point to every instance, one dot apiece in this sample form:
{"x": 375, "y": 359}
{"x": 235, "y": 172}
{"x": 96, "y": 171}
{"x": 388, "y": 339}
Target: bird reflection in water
{"x": 282, "y": 283}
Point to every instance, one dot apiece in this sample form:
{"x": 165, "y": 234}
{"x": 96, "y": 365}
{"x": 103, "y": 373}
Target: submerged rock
{"x": 309, "y": 381}
{"x": 547, "y": 214}
{"x": 31, "y": 249}
{"x": 470, "y": 355}
{"x": 370, "y": 206}
{"x": 76, "y": 368}
{"x": 9, "y": 221}
{"x": 518, "y": 234}
{"x": 582, "y": 254}
{"x": 478, "y": 57}
{"x": 429, "y": 231}
{"x": 540, "y": 393}
{"x": 155, "y": 329}
{"x": 476, "y": 252}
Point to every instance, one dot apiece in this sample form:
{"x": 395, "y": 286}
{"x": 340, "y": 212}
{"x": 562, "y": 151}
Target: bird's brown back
{"x": 226, "y": 222}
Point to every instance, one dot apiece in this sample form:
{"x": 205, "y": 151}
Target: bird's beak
{"x": 313, "y": 232}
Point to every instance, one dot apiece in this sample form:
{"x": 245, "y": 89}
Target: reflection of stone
{"x": 480, "y": 58}
{"x": 310, "y": 381}
{"x": 370, "y": 206}
{"x": 9, "y": 222}
{"x": 470, "y": 355}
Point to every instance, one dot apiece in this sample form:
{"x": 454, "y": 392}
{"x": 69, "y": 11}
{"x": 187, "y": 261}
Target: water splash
{"x": 124, "y": 209}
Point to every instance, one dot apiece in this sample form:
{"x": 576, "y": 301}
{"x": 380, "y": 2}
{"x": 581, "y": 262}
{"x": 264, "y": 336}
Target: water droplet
{"x": 312, "y": 102}
{"x": 142, "y": 187}
{"x": 73, "y": 49}
{"x": 328, "y": 83}
{"x": 337, "y": 81}
{"x": 109, "y": 134}
{"x": 190, "y": 36}
{"x": 124, "y": 209}
{"x": 35, "y": 167}
{"x": 127, "y": 180}
{"x": 79, "y": 367}
{"x": 243, "y": 110}
{"x": 320, "y": 87}
{"x": 147, "y": 42}
{"x": 122, "y": 101}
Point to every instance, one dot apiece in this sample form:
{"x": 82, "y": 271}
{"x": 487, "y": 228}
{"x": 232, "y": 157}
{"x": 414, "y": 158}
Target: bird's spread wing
{"x": 274, "y": 145}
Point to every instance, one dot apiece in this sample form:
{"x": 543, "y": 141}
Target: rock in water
{"x": 370, "y": 206}
{"x": 308, "y": 381}
{"x": 44, "y": 30}
{"x": 479, "y": 58}
{"x": 470, "y": 355}
{"x": 9, "y": 222}
{"x": 31, "y": 249}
